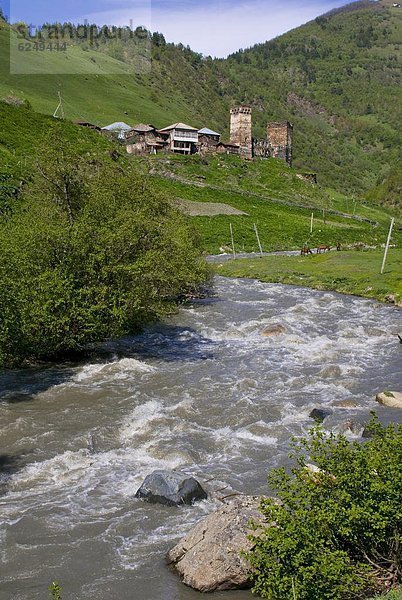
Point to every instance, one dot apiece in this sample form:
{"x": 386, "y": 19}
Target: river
{"x": 204, "y": 392}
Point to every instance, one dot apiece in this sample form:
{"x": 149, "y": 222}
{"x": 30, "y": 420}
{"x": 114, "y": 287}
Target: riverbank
{"x": 351, "y": 272}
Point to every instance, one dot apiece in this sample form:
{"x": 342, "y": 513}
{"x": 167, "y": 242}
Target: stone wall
{"x": 261, "y": 148}
{"x": 206, "y": 144}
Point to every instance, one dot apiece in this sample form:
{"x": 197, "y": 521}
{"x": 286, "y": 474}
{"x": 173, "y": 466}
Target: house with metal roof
{"x": 207, "y": 140}
{"x": 206, "y": 131}
{"x": 117, "y": 129}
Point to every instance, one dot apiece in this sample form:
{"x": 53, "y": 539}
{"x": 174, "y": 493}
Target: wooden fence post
{"x": 387, "y": 245}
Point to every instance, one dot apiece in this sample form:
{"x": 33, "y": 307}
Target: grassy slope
{"x": 268, "y": 191}
{"x": 90, "y": 93}
{"x": 345, "y": 272}
{"x": 273, "y": 198}
{"x": 22, "y": 130}
{"x": 342, "y": 70}
{"x": 388, "y": 193}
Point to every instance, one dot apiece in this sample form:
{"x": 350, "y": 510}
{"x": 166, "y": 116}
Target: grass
{"x": 394, "y": 595}
{"x": 350, "y": 272}
{"x": 274, "y": 198}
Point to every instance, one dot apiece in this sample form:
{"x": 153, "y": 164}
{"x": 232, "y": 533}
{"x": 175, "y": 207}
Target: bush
{"x": 337, "y": 529}
{"x": 89, "y": 252}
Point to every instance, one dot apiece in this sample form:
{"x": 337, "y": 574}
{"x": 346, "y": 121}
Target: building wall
{"x": 261, "y": 148}
{"x": 207, "y": 143}
{"x": 240, "y": 130}
{"x": 280, "y": 138}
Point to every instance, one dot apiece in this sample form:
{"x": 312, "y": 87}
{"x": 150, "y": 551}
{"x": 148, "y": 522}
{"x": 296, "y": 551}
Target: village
{"x": 180, "y": 138}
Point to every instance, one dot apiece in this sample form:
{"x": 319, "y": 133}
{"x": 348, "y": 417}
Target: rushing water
{"x": 206, "y": 393}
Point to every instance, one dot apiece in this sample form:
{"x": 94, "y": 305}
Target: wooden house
{"x": 180, "y": 138}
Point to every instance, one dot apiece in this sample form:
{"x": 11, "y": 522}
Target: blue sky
{"x": 215, "y": 27}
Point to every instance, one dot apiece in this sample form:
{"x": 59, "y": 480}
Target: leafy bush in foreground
{"x": 89, "y": 251}
{"x": 337, "y": 529}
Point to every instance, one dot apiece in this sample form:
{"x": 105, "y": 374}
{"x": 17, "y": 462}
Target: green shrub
{"x": 337, "y": 529}
{"x": 55, "y": 591}
{"x": 89, "y": 251}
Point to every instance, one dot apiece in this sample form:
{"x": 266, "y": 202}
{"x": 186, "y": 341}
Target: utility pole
{"x": 387, "y": 245}
{"x": 59, "y": 107}
{"x": 311, "y": 224}
{"x": 231, "y": 235}
{"x": 258, "y": 238}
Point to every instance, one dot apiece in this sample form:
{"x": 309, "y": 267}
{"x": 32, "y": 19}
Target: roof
{"x": 118, "y": 126}
{"x": 143, "y": 128}
{"x": 207, "y": 131}
{"x": 179, "y": 126}
{"x": 226, "y": 145}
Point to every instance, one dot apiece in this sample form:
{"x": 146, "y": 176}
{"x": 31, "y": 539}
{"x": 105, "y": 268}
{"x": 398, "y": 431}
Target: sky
{"x": 212, "y": 27}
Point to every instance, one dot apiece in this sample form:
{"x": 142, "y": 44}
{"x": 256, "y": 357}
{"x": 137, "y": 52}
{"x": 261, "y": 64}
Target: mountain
{"x": 336, "y": 78}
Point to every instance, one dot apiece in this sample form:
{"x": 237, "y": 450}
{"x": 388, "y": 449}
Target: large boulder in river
{"x": 171, "y": 488}
{"x": 209, "y": 557}
{"x": 391, "y": 399}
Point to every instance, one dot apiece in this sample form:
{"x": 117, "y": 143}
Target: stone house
{"x": 144, "y": 139}
{"x": 208, "y": 140}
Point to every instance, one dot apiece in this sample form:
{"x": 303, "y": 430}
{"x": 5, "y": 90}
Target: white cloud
{"x": 220, "y": 27}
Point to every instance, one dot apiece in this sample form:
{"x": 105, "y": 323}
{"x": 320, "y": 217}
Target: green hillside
{"x": 336, "y": 78}
{"x": 270, "y": 195}
{"x": 267, "y": 192}
{"x": 89, "y": 93}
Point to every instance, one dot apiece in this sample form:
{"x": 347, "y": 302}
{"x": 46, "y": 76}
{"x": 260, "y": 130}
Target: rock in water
{"x": 209, "y": 557}
{"x": 349, "y": 426}
{"x": 320, "y": 414}
{"x": 345, "y": 404}
{"x": 171, "y": 488}
{"x": 272, "y": 330}
{"x": 391, "y": 399}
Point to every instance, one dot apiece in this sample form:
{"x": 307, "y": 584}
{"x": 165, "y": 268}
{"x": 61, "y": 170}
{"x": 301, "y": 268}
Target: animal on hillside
{"x": 305, "y": 251}
{"x": 323, "y": 248}
{"x": 338, "y": 246}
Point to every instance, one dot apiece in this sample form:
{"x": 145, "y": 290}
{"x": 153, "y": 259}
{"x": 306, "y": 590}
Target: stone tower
{"x": 280, "y": 138}
{"x": 240, "y": 130}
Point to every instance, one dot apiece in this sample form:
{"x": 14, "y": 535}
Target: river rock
{"x": 171, "y": 488}
{"x": 331, "y": 371}
{"x": 319, "y": 414}
{"x": 349, "y": 426}
{"x": 272, "y": 330}
{"x": 345, "y": 404}
{"x": 209, "y": 557}
{"x": 391, "y": 399}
